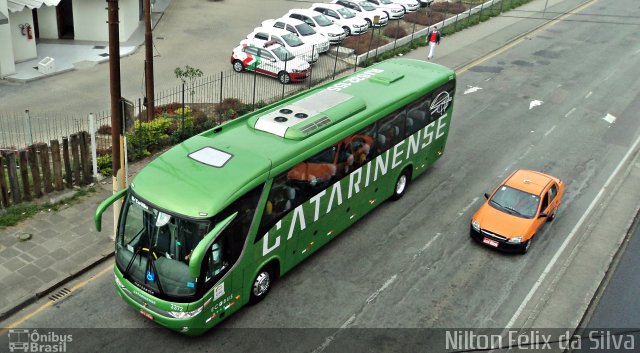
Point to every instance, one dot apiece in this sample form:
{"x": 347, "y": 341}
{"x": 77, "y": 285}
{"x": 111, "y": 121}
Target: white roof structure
{"x": 19, "y": 5}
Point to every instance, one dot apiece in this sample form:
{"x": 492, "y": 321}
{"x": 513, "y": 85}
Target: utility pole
{"x": 117, "y": 137}
{"x": 148, "y": 61}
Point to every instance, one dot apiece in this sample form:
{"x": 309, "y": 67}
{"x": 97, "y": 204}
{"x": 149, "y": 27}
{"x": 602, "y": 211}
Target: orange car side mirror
{"x": 486, "y": 196}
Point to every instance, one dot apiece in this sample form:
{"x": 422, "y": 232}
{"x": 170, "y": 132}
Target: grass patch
{"x": 15, "y": 214}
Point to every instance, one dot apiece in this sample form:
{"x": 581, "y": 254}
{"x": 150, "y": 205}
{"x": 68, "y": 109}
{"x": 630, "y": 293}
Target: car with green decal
{"x": 271, "y": 59}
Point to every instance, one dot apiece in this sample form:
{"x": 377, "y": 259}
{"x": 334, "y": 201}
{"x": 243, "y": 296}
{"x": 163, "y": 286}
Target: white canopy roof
{"x": 19, "y": 5}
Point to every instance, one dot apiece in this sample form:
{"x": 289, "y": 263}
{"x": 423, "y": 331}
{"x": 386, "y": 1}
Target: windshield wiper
{"x": 496, "y": 203}
{"x": 514, "y": 210}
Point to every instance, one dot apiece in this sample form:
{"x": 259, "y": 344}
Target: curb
{"x": 32, "y": 299}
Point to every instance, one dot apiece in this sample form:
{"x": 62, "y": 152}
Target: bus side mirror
{"x": 104, "y": 205}
{"x": 195, "y": 260}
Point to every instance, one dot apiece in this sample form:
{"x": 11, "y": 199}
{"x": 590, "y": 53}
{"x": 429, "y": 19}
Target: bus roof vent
{"x": 309, "y": 115}
{"x": 386, "y": 78}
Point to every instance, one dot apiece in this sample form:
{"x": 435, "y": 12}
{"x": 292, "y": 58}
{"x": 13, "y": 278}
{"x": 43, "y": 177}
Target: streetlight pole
{"x": 117, "y": 138}
{"x": 148, "y": 61}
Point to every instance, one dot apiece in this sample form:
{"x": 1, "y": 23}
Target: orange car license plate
{"x": 490, "y": 242}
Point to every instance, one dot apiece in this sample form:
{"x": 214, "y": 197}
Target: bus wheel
{"x": 261, "y": 285}
{"x": 401, "y": 185}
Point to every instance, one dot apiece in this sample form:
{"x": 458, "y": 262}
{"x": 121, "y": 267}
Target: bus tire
{"x": 401, "y": 184}
{"x": 261, "y": 285}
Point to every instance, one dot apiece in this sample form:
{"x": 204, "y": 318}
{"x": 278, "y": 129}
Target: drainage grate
{"x": 104, "y": 55}
{"x": 99, "y": 47}
{"x": 60, "y": 294}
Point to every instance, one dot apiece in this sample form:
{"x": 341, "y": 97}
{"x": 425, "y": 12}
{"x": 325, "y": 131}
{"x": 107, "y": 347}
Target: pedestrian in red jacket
{"x": 433, "y": 38}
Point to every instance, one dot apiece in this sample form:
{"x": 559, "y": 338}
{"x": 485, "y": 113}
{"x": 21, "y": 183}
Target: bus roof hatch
{"x": 310, "y": 115}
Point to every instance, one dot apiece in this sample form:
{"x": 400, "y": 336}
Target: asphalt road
{"x": 410, "y": 264}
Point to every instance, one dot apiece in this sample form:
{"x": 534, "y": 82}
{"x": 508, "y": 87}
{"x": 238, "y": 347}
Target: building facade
{"x": 24, "y": 22}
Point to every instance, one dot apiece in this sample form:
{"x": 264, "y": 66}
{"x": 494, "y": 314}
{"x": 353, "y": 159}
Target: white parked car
{"x": 365, "y": 10}
{"x": 343, "y": 17}
{"x": 287, "y": 39}
{"x": 302, "y": 30}
{"x": 393, "y": 10}
{"x": 271, "y": 59}
{"x": 409, "y": 5}
{"x": 321, "y": 23}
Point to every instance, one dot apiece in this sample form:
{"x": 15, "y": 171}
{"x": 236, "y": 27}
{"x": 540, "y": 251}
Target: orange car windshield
{"x": 515, "y": 202}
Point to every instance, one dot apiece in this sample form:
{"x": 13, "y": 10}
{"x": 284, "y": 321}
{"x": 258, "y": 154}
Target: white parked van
{"x": 287, "y": 39}
{"x": 302, "y": 30}
{"x": 321, "y": 23}
{"x": 343, "y": 17}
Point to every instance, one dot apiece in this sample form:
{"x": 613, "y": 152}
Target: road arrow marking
{"x": 472, "y": 89}
{"x": 609, "y": 118}
{"x": 535, "y": 103}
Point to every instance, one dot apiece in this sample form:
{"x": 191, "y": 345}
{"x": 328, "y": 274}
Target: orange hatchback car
{"x": 513, "y": 214}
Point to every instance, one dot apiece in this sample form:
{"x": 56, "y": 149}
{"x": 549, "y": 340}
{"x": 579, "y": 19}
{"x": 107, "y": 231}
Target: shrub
{"x": 104, "y": 130}
{"x": 364, "y": 43}
{"x": 395, "y": 32}
{"x": 105, "y": 166}
{"x": 424, "y": 18}
{"x": 148, "y": 136}
{"x": 103, "y": 151}
{"x": 228, "y": 104}
{"x": 449, "y": 7}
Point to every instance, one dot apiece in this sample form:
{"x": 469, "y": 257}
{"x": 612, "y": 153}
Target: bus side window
{"x": 417, "y": 116}
{"x": 283, "y": 197}
{"x": 391, "y": 131}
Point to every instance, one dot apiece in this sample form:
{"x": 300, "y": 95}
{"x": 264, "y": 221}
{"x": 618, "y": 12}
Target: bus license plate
{"x": 490, "y": 242}
{"x": 146, "y": 314}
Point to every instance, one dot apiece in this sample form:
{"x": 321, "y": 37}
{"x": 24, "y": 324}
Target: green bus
{"x": 207, "y": 226}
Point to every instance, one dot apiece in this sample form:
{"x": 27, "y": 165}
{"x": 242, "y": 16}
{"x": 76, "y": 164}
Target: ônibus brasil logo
{"x": 25, "y": 340}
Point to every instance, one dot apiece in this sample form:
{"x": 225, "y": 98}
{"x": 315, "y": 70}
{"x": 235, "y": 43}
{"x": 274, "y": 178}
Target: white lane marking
{"x": 637, "y": 52}
{"x": 324, "y": 345}
{"x": 609, "y": 118}
{"x": 526, "y": 152}
{"x": 549, "y": 131}
{"x": 472, "y": 89}
{"x": 426, "y": 246}
{"x": 349, "y": 322}
{"x": 568, "y": 239}
{"x": 570, "y": 112}
{"x": 489, "y": 79}
{"x": 588, "y": 95}
{"x": 535, "y": 103}
{"x": 379, "y": 290}
{"x": 609, "y": 76}
{"x": 467, "y": 207}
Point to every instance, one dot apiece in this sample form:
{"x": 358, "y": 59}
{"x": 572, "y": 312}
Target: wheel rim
{"x": 261, "y": 284}
{"x": 401, "y": 184}
{"x": 237, "y": 66}
{"x": 284, "y": 78}
{"x": 528, "y": 245}
{"x": 347, "y": 31}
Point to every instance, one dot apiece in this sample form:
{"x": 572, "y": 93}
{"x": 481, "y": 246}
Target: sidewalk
{"x": 65, "y": 243}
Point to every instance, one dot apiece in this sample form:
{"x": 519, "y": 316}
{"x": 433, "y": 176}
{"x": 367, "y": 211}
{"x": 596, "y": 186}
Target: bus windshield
{"x": 153, "y": 249}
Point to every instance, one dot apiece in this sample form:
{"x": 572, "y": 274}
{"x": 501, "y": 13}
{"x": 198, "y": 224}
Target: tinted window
{"x": 265, "y": 54}
{"x": 553, "y": 192}
{"x": 262, "y": 36}
{"x": 390, "y": 131}
{"x": 278, "y": 25}
{"x": 250, "y": 50}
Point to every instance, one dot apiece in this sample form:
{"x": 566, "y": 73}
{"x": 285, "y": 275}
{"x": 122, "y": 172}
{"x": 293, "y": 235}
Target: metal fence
{"x": 18, "y": 130}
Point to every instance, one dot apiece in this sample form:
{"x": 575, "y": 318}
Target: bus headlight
{"x": 186, "y": 314}
{"x": 118, "y": 283}
{"x": 516, "y": 240}
{"x": 475, "y": 225}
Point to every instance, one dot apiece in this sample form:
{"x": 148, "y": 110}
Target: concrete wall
{"x": 48, "y": 22}
{"x": 90, "y": 19}
{"x": 23, "y": 48}
{"x": 7, "y": 65}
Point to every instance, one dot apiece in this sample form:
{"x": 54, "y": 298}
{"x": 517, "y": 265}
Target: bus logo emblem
{"x": 441, "y": 103}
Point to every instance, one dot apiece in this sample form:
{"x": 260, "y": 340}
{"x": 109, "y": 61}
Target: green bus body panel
{"x": 179, "y": 184}
{"x": 104, "y": 205}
